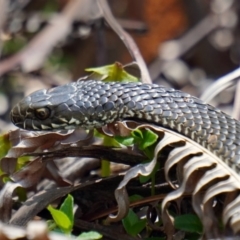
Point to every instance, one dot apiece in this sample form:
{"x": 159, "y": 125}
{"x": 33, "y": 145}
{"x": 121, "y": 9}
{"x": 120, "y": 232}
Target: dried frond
{"x": 200, "y": 173}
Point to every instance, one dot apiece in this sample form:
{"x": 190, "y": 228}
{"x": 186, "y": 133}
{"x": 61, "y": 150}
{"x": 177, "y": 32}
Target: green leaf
{"x": 130, "y": 219}
{"x": 110, "y": 141}
{"x": 145, "y": 138}
{"x": 91, "y": 235}
{"x": 61, "y": 219}
{"x": 132, "y": 224}
{"x": 107, "y": 141}
{"x": 110, "y": 73}
{"x": 5, "y": 178}
{"x": 149, "y": 138}
{"x": 126, "y": 141}
{"x": 67, "y": 208}
{"x": 5, "y": 145}
{"x": 137, "y": 134}
{"x": 188, "y": 223}
{"x": 22, "y": 161}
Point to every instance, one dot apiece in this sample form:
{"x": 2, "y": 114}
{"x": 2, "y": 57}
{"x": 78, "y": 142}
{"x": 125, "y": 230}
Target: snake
{"x": 93, "y": 104}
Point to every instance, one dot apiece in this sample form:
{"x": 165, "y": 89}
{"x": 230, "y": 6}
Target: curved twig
{"x": 126, "y": 38}
{"x": 220, "y": 84}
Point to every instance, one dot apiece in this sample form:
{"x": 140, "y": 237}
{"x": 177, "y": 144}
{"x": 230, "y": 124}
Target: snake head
{"x": 78, "y": 104}
{"x": 51, "y": 109}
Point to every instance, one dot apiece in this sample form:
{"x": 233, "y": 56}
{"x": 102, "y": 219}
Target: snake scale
{"x": 91, "y": 104}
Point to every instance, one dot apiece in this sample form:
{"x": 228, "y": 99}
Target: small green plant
{"x": 91, "y": 235}
{"x": 189, "y": 223}
{"x": 63, "y": 220}
{"x": 5, "y": 145}
{"x": 112, "y": 73}
{"x": 146, "y": 141}
{"x": 133, "y": 224}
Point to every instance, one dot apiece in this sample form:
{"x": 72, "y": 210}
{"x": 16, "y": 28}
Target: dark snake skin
{"x": 91, "y": 104}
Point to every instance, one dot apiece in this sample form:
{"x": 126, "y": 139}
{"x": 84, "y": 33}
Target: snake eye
{"x": 42, "y": 113}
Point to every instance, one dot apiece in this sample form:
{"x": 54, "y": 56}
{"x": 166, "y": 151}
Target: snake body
{"x": 90, "y": 104}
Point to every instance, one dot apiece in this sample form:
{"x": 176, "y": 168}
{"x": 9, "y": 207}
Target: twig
{"x": 132, "y": 25}
{"x": 3, "y": 11}
{"x": 126, "y": 38}
{"x": 99, "y": 152}
{"x": 236, "y": 109}
{"x": 220, "y": 84}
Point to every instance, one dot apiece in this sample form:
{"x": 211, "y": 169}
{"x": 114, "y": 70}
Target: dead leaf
{"x": 6, "y": 195}
{"x": 29, "y": 175}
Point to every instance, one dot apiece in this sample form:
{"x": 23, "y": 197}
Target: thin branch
{"x": 236, "y": 108}
{"x": 99, "y": 152}
{"x": 126, "y": 38}
{"x": 3, "y": 13}
{"x": 220, "y": 84}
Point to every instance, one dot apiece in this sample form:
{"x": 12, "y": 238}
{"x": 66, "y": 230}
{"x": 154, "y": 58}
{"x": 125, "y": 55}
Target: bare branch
{"x": 236, "y": 108}
{"x": 220, "y": 84}
{"x": 99, "y": 152}
{"x": 3, "y": 11}
{"x": 126, "y": 38}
